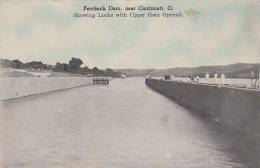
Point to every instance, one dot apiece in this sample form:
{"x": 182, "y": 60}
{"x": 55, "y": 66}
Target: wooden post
{"x": 252, "y": 79}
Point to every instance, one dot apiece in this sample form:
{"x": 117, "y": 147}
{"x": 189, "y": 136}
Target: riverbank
{"x": 17, "y": 73}
{"x": 11, "y": 88}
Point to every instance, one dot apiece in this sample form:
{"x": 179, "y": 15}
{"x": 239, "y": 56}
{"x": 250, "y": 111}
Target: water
{"x": 123, "y": 125}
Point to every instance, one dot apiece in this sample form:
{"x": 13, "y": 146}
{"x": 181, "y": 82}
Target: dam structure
{"x": 123, "y": 124}
{"x": 236, "y": 108}
{"x": 13, "y": 88}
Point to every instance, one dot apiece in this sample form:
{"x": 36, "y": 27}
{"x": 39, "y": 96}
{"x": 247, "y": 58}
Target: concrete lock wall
{"x": 18, "y": 87}
{"x": 237, "y": 108}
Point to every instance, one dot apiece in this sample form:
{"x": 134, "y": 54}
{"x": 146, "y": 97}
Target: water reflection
{"x": 122, "y": 125}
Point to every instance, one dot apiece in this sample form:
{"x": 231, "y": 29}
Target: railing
{"x": 101, "y": 81}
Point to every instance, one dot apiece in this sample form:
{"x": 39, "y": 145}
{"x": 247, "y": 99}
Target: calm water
{"x": 124, "y": 125}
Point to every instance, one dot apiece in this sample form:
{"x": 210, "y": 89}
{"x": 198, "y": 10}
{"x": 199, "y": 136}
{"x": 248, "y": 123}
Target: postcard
{"x": 129, "y": 84}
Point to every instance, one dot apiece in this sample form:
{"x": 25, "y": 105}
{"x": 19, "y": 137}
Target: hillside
{"x": 240, "y": 70}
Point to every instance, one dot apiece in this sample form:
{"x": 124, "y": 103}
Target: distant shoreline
{"x": 11, "y": 72}
{"x": 239, "y": 70}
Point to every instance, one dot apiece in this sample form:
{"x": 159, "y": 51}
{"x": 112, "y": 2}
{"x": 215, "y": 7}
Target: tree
{"x": 95, "y": 69}
{"x": 36, "y": 65}
{"x": 6, "y": 63}
{"x": 74, "y": 65}
{"x": 60, "y": 67}
{"x": 111, "y": 73}
{"x": 17, "y": 64}
{"x": 85, "y": 70}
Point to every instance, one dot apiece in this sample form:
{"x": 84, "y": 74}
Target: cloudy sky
{"x": 226, "y": 31}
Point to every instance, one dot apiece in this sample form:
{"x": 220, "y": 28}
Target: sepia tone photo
{"x": 129, "y": 84}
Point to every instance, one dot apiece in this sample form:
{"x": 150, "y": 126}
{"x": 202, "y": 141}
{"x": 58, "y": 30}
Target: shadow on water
{"x": 245, "y": 146}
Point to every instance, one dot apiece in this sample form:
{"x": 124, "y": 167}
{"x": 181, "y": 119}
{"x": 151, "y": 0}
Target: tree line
{"x": 73, "y": 66}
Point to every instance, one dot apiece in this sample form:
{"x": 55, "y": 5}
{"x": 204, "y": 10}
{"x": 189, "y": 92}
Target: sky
{"x": 224, "y": 32}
